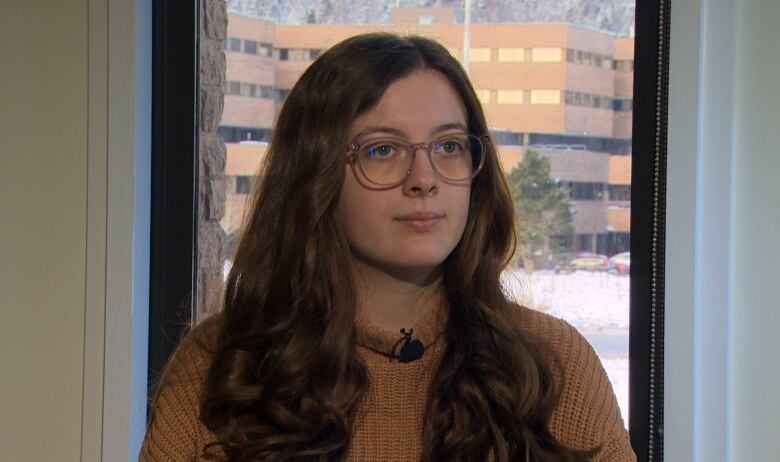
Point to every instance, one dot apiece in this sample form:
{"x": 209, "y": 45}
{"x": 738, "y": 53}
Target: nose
{"x": 422, "y": 178}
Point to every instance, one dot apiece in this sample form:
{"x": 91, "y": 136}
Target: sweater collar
{"x": 428, "y": 328}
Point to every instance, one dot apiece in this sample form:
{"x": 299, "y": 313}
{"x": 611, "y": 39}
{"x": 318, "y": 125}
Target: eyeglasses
{"x": 387, "y": 162}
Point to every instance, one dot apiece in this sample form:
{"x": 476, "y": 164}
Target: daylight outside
{"x": 555, "y": 79}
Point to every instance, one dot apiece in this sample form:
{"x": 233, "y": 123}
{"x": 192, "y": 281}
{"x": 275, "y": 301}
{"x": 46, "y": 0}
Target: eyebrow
{"x": 394, "y": 131}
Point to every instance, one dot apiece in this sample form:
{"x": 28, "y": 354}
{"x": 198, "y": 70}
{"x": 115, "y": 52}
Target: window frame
{"x": 648, "y": 213}
{"x": 174, "y": 207}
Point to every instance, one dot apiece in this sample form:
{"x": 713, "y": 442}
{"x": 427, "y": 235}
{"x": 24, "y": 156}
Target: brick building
{"x": 563, "y": 90}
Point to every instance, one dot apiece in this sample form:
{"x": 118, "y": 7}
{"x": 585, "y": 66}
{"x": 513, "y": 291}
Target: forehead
{"x": 416, "y": 106}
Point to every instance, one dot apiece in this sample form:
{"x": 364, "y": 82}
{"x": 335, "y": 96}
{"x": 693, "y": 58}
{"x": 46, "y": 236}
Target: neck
{"x": 391, "y": 301}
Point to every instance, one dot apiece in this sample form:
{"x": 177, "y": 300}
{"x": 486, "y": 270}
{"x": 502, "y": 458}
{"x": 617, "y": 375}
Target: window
{"x": 511, "y": 55}
{"x": 622, "y": 105}
{"x": 585, "y": 191}
{"x": 546, "y": 55}
{"x": 483, "y": 95}
{"x": 280, "y": 94}
{"x": 620, "y": 192}
{"x": 248, "y": 89}
{"x": 509, "y": 96}
{"x": 479, "y": 55}
{"x": 587, "y": 58}
{"x": 265, "y": 91}
{"x": 545, "y": 97}
{"x": 624, "y": 65}
{"x": 235, "y": 44}
{"x": 296, "y": 55}
{"x": 536, "y": 55}
{"x": 250, "y": 47}
{"x": 426, "y": 19}
{"x": 265, "y": 49}
{"x": 243, "y": 184}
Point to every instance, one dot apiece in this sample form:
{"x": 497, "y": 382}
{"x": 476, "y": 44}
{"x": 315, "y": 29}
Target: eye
{"x": 376, "y": 151}
{"x": 450, "y": 147}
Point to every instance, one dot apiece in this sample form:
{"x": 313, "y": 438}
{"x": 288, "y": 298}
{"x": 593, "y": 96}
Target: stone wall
{"x": 211, "y": 204}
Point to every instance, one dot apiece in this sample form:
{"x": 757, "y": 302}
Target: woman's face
{"x": 411, "y": 228}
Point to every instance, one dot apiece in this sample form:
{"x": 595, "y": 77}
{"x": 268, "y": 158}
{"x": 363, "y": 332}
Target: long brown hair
{"x": 286, "y": 381}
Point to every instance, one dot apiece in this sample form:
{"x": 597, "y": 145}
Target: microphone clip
{"x": 411, "y": 350}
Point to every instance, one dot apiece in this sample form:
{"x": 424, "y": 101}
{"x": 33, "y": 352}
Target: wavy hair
{"x": 286, "y": 382}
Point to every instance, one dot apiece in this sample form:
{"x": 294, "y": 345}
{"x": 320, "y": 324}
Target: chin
{"x": 419, "y": 262}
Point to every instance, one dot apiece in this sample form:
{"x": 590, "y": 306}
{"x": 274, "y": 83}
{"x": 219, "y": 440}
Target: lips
{"x": 420, "y": 221}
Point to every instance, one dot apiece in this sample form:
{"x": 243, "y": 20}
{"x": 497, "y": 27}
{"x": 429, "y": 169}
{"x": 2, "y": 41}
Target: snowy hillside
{"x": 612, "y": 15}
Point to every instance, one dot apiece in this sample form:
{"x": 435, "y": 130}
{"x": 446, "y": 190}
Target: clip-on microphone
{"x": 411, "y": 350}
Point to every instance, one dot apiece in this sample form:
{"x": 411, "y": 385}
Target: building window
{"x": 585, "y": 191}
{"x": 284, "y": 54}
{"x": 545, "y": 97}
{"x": 510, "y": 97}
{"x": 585, "y": 242}
{"x": 248, "y": 89}
{"x": 264, "y": 49}
{"x": 315, "y": 53}
{"x": 546, "y": 55}
{"x": 483, "y": 95}
{"x": 296, "y": 54}
{"x": 426, "y": 19}
{"x": 587, "y": 58}
{"x": 624, "y": 65}
{"x": 265, "y": 91}
{"x": 623, "y": 105}
{"x": 235, "y": 44}
{"x": 250, "y": 47}
{"x": 479, "y": 55}
{"x": 243, "y": 184}
{"x": 233, "y": 88}
{"x": 280, "y": 94}
{"x": 511, "y": 55}
{"x": 620, "y": 192}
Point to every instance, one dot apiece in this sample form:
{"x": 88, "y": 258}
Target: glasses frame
{"x": 427, "y": 146}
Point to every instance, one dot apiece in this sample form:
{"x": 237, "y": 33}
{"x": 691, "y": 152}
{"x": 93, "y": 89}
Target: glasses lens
{"x": 458, "y": 157}
{"x": 384, "y": 162}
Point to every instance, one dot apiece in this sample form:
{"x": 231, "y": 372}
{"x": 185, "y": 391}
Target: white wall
{"x": 43, "y": 210}
{"x": 74, "y": 207}
{"x": 754, "y": 423}
{"x": 722, "y": 379}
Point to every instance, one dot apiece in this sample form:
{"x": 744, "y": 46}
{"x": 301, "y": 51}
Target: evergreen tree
{"x": 542, "y": 207}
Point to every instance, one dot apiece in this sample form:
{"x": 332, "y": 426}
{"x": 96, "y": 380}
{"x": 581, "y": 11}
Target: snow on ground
{"x": 590, "y": 301}
{"x": 595, "y": 303}
{"x": 617, "y": 370}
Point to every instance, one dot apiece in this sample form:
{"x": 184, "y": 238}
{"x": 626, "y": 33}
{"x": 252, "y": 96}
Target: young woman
{"x": 363, "y": 317}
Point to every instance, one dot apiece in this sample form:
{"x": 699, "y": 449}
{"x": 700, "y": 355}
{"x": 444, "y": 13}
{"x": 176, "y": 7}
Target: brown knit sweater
{"x": 389, "y": 423}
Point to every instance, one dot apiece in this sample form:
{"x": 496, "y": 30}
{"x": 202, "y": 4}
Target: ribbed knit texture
{"x": 388, "y": 426}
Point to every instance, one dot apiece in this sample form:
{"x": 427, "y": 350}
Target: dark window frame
{"x": 174, "y": 201}
{"x": 175, "y": 97}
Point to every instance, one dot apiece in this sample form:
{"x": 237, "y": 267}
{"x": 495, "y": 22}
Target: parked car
{"x": 588, "y": 262}
{"x": 621, "y": 263}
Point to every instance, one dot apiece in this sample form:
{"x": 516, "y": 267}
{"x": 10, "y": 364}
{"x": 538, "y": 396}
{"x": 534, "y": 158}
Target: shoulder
{"x": 570, "y": 347}
{"x": 174, "y": 431}
{"x": 587, "y": 414}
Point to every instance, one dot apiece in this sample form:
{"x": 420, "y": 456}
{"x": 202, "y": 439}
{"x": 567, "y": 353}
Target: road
{"x": 608, "y": 345}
